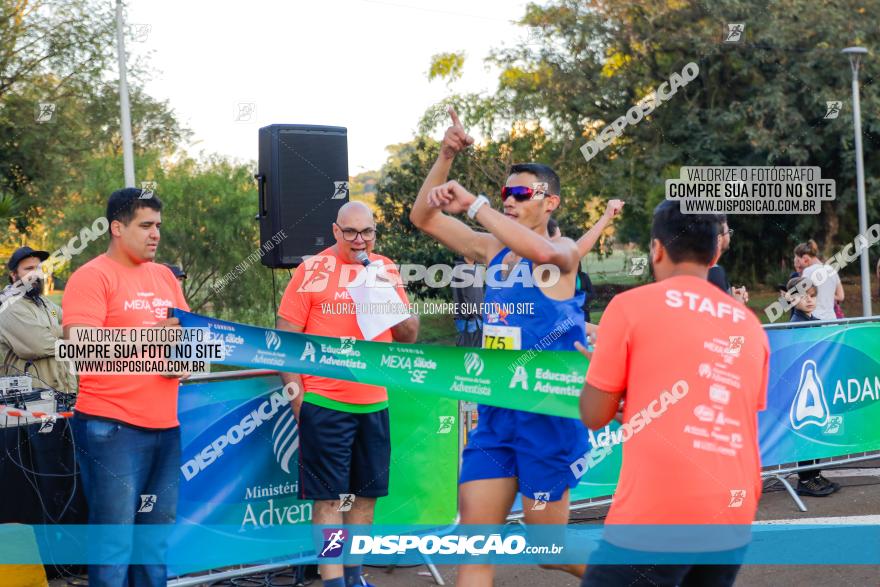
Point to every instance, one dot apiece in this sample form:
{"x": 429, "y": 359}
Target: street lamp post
{"x": 124, "y": 111}
{"x": 855, "y": 56}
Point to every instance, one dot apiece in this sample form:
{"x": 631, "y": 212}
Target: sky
{"x": 361, "y": 64}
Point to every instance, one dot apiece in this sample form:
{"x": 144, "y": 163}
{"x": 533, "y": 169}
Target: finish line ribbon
{"x": 532, "y": 380}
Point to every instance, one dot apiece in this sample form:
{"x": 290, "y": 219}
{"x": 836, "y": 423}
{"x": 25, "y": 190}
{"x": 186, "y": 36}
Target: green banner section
{"x": 546, "y": 382}
{"x": 424, "y": 460}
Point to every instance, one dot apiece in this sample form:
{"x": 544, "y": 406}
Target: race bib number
{"x": 505, "y": 338}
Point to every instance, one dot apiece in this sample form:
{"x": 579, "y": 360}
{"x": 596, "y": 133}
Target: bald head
{"x": 355, "y": 230}
{"x": 352, "y": 211}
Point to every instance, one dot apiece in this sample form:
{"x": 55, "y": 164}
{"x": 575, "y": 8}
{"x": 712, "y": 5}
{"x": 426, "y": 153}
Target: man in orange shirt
{"x": 690, "y": 365}
{"x": 125, "y": 426}
{"x": 345, "y": 442}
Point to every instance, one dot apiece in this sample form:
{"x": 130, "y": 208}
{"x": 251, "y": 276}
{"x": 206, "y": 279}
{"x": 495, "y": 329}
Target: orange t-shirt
{"x": 697, "y": 461}
{"x": 317, "y": 299}
{"x": 105, "y": 293}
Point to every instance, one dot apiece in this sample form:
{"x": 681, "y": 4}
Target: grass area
{"x": 759, "y": 300}
{"x": 615, "y": 268}
{"x": 437, "y": 329}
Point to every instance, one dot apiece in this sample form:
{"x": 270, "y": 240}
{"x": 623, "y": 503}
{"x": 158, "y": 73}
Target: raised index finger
{"x": 455, "y": 120}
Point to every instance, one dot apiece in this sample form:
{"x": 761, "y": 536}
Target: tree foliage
{"x": 761, "y": 101}
{"x": 446, "y": 66}
{"x": 62, "y": 53}
{"x": 56, "y": 175}
{"x": 208, "y": 228}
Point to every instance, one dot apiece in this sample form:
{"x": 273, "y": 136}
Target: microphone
{"x": 363, "y": 258}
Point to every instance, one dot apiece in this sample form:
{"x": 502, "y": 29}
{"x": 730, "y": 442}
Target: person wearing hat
{"x": 179, "y": 273}
{"x": 30, "y": 324}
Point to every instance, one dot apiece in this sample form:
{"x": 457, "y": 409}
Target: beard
{"x": 36, "y": 288}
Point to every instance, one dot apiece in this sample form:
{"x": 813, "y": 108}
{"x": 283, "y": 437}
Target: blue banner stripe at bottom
{"x": 215, "y": 546}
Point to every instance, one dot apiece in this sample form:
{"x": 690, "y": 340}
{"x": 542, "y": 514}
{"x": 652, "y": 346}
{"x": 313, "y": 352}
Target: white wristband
{"x": 475, "y": 207}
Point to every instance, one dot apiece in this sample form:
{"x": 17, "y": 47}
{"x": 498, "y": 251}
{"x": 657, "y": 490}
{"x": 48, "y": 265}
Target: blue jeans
{"x": 661, "y": 574}
{"x": 130, "y": 476}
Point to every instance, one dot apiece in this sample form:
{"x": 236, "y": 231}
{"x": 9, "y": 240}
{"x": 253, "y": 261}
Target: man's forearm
{"x": 521, "y": 240}
{"x": 406, "y": 331}
{"x": 438, "y": 175}
{"x": 598, "y": 407}
{"x": 591, "y": 237}
{"x": 294, "y": 380}
{"x": 29, "y": 341}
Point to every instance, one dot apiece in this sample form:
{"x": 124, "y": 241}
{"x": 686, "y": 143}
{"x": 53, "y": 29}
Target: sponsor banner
{"x": 545, "y": 382}
{"x": 823, "y": 391}
{"x": 598, "y": 470}
{"x": 213, "y": 546}
{"x": 823, "y": 395}
{"x": 240, "y": 455}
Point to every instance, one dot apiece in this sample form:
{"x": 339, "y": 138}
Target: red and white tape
{"x": 13, "y": 412}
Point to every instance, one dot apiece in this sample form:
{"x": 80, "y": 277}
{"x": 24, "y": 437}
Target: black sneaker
{"x": 814, "y": 487}
{"x": 834, "y": 486}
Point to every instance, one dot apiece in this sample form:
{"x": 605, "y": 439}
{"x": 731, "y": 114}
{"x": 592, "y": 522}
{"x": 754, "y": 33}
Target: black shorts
{"x": 342, "y": 452}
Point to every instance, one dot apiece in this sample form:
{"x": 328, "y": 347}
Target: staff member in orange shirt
{"x": 690, "y": 431}
{"x": 125, "y": 426}
{"x": 345, "y": 441}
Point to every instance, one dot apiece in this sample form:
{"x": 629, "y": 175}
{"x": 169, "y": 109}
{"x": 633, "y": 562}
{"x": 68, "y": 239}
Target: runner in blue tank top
{"x": 511, "y": 451}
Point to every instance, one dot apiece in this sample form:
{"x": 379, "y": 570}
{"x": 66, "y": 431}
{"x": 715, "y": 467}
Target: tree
{"x": 761, "y": 102}
{"x": 57, "y": 107}
{"x": 755, "y": 103}
{"x": 208, "y": 228}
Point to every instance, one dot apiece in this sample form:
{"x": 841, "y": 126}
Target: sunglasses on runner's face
{"x": 520, "y": 193}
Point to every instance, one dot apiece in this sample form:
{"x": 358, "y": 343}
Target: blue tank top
{"x": 551, "y": 325}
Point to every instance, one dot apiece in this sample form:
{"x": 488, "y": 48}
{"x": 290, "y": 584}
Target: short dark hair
{"x": 543, "y": 172}
{"x": 687, "y": 237}
{"x": 795, "y": 281}
{"x": 123, "y": 204}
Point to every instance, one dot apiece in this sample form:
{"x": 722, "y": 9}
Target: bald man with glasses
{"x": 345, "y": 439}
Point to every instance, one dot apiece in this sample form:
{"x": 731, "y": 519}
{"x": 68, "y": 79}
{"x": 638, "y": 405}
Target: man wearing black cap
{"x": 30, "y": 324}
{"x": 179, "y": 273}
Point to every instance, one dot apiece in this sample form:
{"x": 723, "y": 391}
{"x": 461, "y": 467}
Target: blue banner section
{"x": 239, "y": 461}
{"x": 823, "y": 395}
{"x": 214, "y": 546}
{"x": 239, "y": 466}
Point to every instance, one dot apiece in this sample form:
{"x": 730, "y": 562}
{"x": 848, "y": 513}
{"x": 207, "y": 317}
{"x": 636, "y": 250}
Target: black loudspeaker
{"x": 302, "y": 183}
